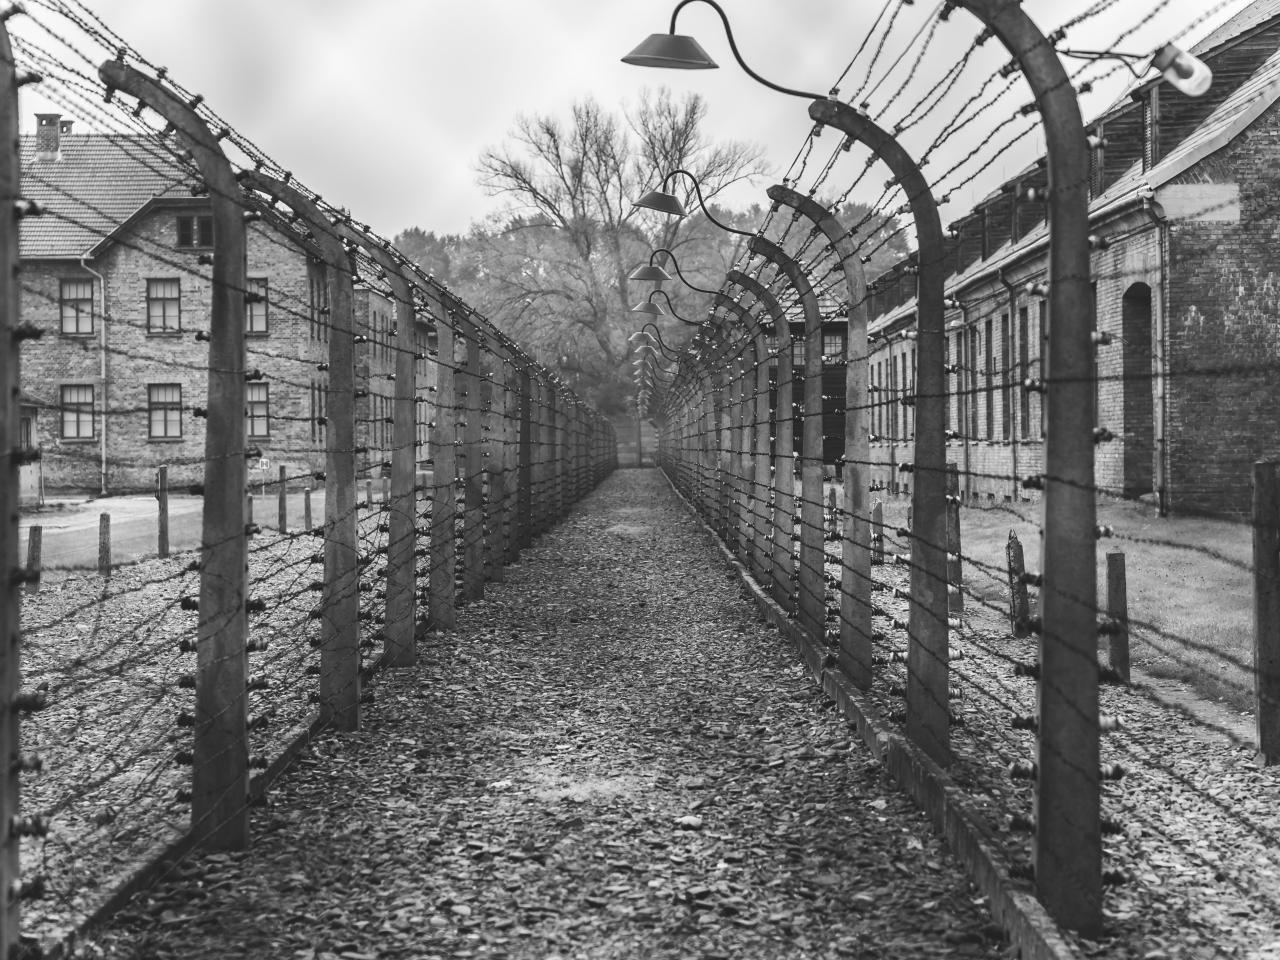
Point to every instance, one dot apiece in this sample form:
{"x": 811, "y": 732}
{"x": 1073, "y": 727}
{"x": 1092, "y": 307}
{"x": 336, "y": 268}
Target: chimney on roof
{"x": 48, "y": 135}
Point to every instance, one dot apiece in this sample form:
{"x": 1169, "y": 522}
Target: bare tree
{"x": 555, "y": 267}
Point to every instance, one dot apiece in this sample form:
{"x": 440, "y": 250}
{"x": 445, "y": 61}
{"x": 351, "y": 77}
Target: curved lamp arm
{"x": 655, "y": 272}
{"x": 649, "y": 307}
{"x": 674, "y": 50}
{"x": 656, "y": 336}
{"x": 667, "y": 203}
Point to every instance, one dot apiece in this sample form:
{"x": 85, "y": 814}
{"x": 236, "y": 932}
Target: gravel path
{"x": 609, "y": 758}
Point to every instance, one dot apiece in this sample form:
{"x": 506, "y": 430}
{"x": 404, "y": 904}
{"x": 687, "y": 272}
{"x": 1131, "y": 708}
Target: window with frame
{"x": 833, "y": 347}
{"x": 255, "y": 306}
{"x": 164, "y": 411}
{"x": 257, "y": 410}
{"x": 75, "y": 305}
{"x": 1006, "y": 379}
{"x": 76, "y": 403}
{"x": 989, "y": 368}
{"x": 797, "y": 352}
{"x": 1024, "y": 371}
{"x": 195, "y": 231}
{"x": 164, "y": 311}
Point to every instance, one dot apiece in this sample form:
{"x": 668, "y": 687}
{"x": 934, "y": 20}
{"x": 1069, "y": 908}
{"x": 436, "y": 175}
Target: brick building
{"x": 1183, "y": 195}
{"x": 116, "y": 274}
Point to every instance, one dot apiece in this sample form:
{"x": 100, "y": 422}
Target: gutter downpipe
{"x": 102, "y": 374}
{"x": 1160, "y": 360}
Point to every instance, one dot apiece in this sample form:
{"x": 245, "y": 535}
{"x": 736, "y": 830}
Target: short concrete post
{"x": 306, "y": 508}
{"x": 248, "y": 508}
{"x": 1117, "y": 614}
{"x": 368, "y": 494}
{"x": 1266, "y": 606}
{"x": 283, "y": 512}
{"x": 35, "y": 539}
{"x": 833, "y": 524}
{"x": 955, "y": 571}
{"x": 877, "y": 532}
{"x": 104, "y": 544}
{"x": 162, "y": 518}
{"x": 1019, "y": 604}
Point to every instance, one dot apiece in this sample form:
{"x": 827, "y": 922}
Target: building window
{"x": 163, "y": 306}
{"x": 317, "y": 410}
{"x": 1006, "y": 379}
{"x": 27, "y": 427}
{"x": 255, "y": 307}
{"x": 833, "y": 347}
{"x": 76, "y": 403}
{"x": 164, "y": 410}
{"x": 75, "y": 304}
{"x": 797, "y": 352}
{"x": 195, "y": 231}
{"x": 258, "y": 410}
{"x": 1024, "y": 371}
{"x": 989, "y": 367}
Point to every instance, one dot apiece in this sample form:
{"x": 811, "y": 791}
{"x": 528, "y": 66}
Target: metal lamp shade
{"x": 671, "y": 50}
{"x": 666, "y": 203}
{"x": 650, "y": 272}
{"x": 649, "y": 307}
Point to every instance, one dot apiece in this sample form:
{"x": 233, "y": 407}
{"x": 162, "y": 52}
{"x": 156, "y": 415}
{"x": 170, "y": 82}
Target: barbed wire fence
{"x": 147, "y": 705}
{"x": 770, "y": 392}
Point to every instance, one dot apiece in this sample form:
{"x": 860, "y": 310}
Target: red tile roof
{"x": 95, "y": 185}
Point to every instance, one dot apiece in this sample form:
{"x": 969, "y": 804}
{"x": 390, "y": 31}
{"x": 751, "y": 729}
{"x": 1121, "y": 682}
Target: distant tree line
{"x": 551, "y": 269}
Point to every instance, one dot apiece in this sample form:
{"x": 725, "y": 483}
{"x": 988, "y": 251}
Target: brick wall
{"x": 1224, "y": 300}
{"x": 137, "y": 357}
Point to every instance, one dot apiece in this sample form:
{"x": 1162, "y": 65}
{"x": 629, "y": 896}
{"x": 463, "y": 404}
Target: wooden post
{"x": 402, "y": 538}
{"x": 955, "y": 569}
{"x": 781, "y": 484}
{"x": 472, "y": 413}
{"x": 219, "y": 814}
{"x": 104, "y": 544}
{"x": 1266, "y": 606}
{"x": 306, "y": 508}
{"x": 442, "y": 604}
{"x": 282, "y": 513}
{"x": 877, "y": 532}
{"x": 35, "y": 540}
{"x": 524, "y": 468}
{"x": 340, "y": 598}
{"x": 1117, "y": 614}
{"x": 10, "y": 461}
{"x": 1019, "y": 604}
{"x": 162, "y": 512}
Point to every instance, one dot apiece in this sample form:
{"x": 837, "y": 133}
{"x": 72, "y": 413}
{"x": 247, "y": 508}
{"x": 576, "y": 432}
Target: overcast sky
{"x": 384, "y": 105}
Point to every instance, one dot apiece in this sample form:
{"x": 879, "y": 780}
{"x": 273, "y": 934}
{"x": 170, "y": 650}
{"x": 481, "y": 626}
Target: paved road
{"x": 70, "y": 529}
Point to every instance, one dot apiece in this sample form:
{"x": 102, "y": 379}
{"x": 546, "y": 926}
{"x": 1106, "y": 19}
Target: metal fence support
{"x": 220, "y": 781}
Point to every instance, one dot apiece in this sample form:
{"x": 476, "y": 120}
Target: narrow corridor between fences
{"x": 611, "y": 756}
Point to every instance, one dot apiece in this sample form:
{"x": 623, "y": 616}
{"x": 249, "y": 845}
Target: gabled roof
{"x": 1244, "y": 20}
{"x": 97, "y": 183}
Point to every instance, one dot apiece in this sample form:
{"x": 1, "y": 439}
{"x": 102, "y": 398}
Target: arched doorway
{"x": 1139, "y": 409}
